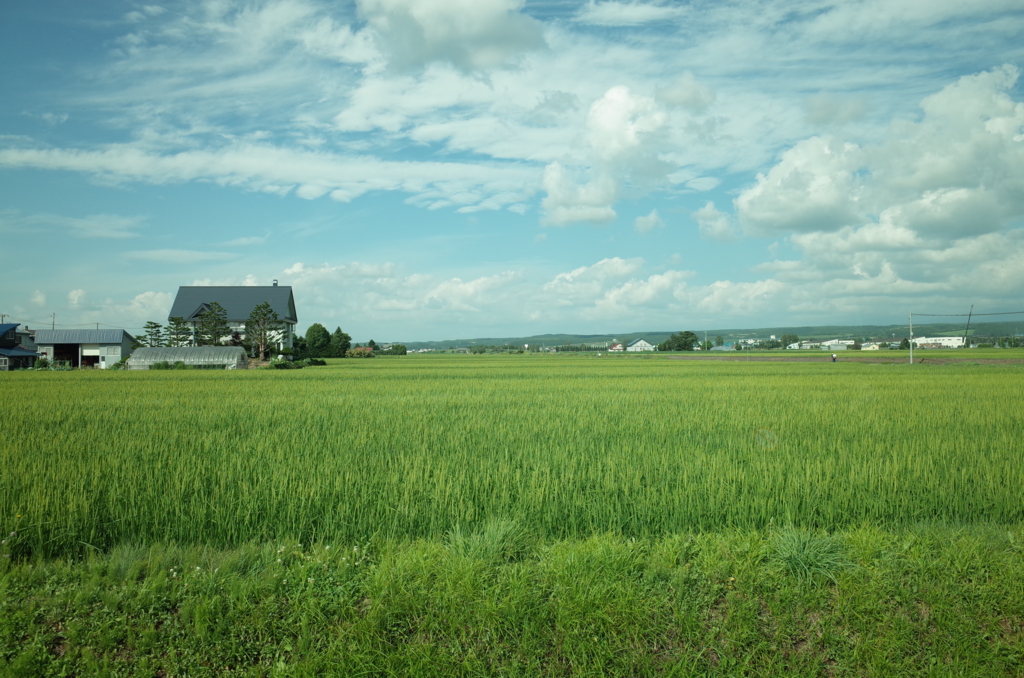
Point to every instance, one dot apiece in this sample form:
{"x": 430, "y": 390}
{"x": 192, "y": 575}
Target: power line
{"x": 963, "y": 315}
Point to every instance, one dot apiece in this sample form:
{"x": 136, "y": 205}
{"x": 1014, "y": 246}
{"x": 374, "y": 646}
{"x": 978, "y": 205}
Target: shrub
{"x": 361, "y": 352}
{"x": 42, "y": 364}
{"x": 284, "y": 364}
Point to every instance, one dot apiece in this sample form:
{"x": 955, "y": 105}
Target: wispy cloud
{"x": 612, "y": 13}
{"x": 180, "y": 256}
{"x": 92, "y": 226}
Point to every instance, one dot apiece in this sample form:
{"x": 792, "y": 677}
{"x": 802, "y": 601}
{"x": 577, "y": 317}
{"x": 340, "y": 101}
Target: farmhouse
{"x": 639, "y": 345}
{"x": 85, "y": 348}
{"x": 12, "y": 355}
{"x": 197, "y": 357}
{"x": 616, "y": 347}
{"x": 191, "y": 302}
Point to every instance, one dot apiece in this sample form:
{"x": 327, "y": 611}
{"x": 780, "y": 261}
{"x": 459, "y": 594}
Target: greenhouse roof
{"x": 190, "y": 355}
{"x": 239, "y": 302}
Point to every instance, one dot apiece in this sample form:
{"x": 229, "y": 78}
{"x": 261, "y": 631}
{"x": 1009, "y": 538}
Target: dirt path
{"x": 847, "y": 358}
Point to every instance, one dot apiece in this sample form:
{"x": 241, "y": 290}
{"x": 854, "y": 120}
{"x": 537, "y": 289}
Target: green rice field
{"x": 565, "y": 445}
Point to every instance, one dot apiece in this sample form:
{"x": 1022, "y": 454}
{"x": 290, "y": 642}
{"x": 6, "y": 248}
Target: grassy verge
{"x": 501, "y": 601}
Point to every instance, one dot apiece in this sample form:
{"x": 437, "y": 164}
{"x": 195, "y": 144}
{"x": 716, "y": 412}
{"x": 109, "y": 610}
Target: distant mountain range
{"x": 980, "y": 329}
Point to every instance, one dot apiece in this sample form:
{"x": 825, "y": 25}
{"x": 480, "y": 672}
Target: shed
{"x": 84, "y": 348}
{"x": 200, "y": 357}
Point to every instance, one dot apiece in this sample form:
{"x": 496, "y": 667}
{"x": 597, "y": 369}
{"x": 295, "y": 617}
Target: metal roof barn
{"x": 202, "y": 357}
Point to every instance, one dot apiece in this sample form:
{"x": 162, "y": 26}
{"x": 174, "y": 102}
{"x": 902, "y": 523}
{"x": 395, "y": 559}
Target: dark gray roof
{"x": 48, "y": 337}
{"x": 17, "y": 352}
{"x": 237, "y": 301}
{"x": 637, "y": 341}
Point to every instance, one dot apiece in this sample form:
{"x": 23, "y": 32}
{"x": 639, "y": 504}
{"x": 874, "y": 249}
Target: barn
{"x": 640, "y": 345}
{"x": 84, "y": 348}
{"x": 197, "y": 357}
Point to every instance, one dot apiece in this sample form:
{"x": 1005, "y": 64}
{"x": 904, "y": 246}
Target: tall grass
{"x": 563, "y": 445}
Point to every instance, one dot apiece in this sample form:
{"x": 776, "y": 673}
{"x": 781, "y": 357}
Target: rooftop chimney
{"x": 275, "y": 283}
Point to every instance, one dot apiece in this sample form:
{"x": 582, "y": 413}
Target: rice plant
{"x": 564, "y": 446}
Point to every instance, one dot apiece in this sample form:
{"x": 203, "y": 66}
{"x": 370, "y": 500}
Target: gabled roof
{"x": 237, "y": 301}
{"x": 49, "y": 337}
{"x": 7, "y": 327}
{"x": 637, "y": 341}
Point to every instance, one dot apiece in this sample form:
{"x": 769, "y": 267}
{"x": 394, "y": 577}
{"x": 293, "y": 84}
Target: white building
{"x": 84, "y": 348}
{"x": 939, "y": 342}
{"x": 639, "y": 345}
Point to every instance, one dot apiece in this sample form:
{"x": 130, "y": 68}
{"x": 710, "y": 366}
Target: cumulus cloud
{"x": 713, "y": 224}
{"x": 622, "y": 132}
{"x": 75, "y": 297}
{"x": 38, "y": 298}
{"x": 812, "y": 188}
{"x": 567, "y": 203}
{"x": 649, "y": 223}
{"x": 470, "y": 34}
{"x": 955, "y": 172}
{"x": 937, "y": 201}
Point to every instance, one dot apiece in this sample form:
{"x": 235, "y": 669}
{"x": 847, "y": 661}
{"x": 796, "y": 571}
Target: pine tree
{"x": 263, "y": 328}
{"x": 154, "y": 334}
{"x": 213, "y": 325}
{"x": 178, "y": 332}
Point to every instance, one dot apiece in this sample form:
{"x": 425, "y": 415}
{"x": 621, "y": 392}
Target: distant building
{"x": 639, "y": 345}
{"x": 616, "y": 347}
{"x": 939, "y": 342}
{"x": 239, "y": 302}
{"x": 13, "y": 355}
{"x": 85, "y": 348}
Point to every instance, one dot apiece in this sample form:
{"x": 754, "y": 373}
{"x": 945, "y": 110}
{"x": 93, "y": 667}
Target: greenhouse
{"x": 185, "y": 357}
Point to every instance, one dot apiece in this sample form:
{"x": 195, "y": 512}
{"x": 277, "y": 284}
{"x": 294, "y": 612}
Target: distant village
{"x": 228, "y": 327}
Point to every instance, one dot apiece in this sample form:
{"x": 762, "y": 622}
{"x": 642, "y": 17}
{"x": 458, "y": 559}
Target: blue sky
{"x": 432, "y": 169}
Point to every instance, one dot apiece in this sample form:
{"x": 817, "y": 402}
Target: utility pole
{"x": 911, "y": 337}
{"x": 2, "y": 316}
{"x": 53, "y": 321}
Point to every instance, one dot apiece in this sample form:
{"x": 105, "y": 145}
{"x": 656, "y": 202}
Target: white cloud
{"x": 256, "y": 167}
{"x": 686, "y": 92}
{"x": 38, "y": 298}
{"x": 610, "y": 13}
{"x": 567, "y": 203}
{"x": 825, "y": 108}
{"x": 713, "y": 224}
{"x": 179, "y": 256}
{"x": 812, "y": 188}
{"x": 620, "y": 123}
{"x": 460, "y": 295}
{"x": 75, "y": 297}
{"x": 246, "y": 241}
{"x": 92, "y": 226}
{"x": 649, "y": 223}
{"x": 703, "y": 183}
{"x": 470, "y": 34}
